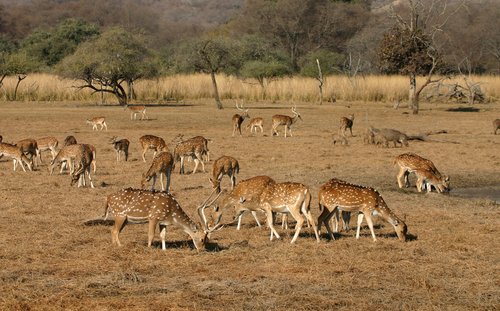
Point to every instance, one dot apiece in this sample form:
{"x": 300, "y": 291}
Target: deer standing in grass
{"x": 346, "y": 123}
{"x": 224, "y": 165}
{"x": 496, "y": 125}
{"x": 30, "y": 148}
{"x": 239, "y": 118}
{"x": 254, "y": 124}
{"x": 48, "y": 143}
{"x": 101, "y": 121}
{"x": 287, "y": 121}
{"x": 163, "y": 164}
{"x": 16, "y": 154}
{"x": 204, "y": 142}
{"x": 337, "y": 195}
{"x": 190, "y": 149}
{"x": 120, "y": 146}
{"x": 83, "y": 159}
{"x": 426, "y": 172}
{"x": 66, "y": 156}
{"x": 135, "y": 110}
{"x": 152, "y": 142}
{"x": 139, "y": 206}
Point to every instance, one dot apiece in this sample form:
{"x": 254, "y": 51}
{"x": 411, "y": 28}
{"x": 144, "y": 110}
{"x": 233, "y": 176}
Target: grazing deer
{"x": 337, "y": 196}
{"x": 427, "y": 173}
{"x": 496, "y": 126}
{"x": 290, "y": 198}
{"x": 238, "y": 119}
{"x": 346, "y": 123}
{"x": 70, "y": 140}
{"x": 254, "y": 124}
{"x": 287, "y": 121}
{"x": 224, "y": 165}
{"x": 120, "y": 146}
{"x": 162, "y": 164}
{"x": 152, "y": 142}
{"x": 30, "y": 148}
{"x": 134, "y": 110}
{"x": 203, "y": 141}
{"x": 244, "y": 197}
{"x": 47, "y": 143}
{"x": 66, "y": 156}
{"x": 83, "y": 159}
{"x": 190, "y": 149}
{"x": 139, "y": 206}
{"x": 101, "y": 121}
{"x": 16, "y": 154}
{"x": 338, "y": 138}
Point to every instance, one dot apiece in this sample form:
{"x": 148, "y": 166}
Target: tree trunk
{"x": 131, "y": 92}
{"x": 19, "y": 79}
{"x": 320, "y": 79}
{"x": 216, "y": 91}
{"x": 121, "y": 95}
{"x": 413, "y": 97}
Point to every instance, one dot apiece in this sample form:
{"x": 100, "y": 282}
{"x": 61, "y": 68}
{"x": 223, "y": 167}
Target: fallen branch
{"x": 425, "y": 137}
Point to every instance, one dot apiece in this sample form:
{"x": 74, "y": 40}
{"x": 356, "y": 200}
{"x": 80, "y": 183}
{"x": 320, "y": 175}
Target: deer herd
{"x": 337, "y": 199}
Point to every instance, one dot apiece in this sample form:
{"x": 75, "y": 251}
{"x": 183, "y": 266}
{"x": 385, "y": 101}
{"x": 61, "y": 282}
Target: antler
{"x": 203, "y": 206}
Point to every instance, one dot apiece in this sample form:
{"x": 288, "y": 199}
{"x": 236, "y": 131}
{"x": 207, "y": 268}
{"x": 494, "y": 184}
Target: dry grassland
{"x": 51, "y": 261}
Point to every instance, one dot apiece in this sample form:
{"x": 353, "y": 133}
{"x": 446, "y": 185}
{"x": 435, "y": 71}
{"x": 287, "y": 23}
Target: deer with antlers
{"x": 152, "y": 142}
{"x": 426, "y": 172}
{"x": 239, "y": 118}
{"x": 337, "y": 195}
{"x": 139, "y": 206}
{"x": 101, "y": 121}
{"x": 286, "y": 121}
{"x": 135, "y": 110}
{"x": 163, "y": 164}
{"x": 16, "y": 154}
{"x": 48, "y": 143}
{"x": 193, "y": 148}
{"x": 224, "y": 165}
{"x": 120, "y": 146}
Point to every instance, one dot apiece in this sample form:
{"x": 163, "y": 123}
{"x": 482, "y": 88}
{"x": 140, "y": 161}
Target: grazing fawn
{"x": 163, "y": 164}
{"x": 83, "y": 159}
{"x": 48, "y": 143}
{"x": 496, "y": 126}
{"x": 191, "y": 148}
{"x": 30, "y": 148}
{"x": 239, "y": 118}
{"x": 120, "y": 146}
{"x": 287, "y": 121}
{"x": 254, "y": 124}
{"x": 16, "y": 154}
{"x": 224, "y": 165}
{"x": 427, "y": 174}
{"x": 346, "y": 123}
{"x": 339, "y": 196}
{"x": 152, "y": 142}
{"x": 139, "y": 206}
{"x": 101, "y": 121}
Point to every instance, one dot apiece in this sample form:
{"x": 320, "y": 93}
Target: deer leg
{"x": 270, "y": 220}
{"x": 325, "y": 217}
{"x": 167, "y": 175}
{"x": 161, "y": 181}
{"x": 151, "y": 230}
{"x": 154, "y": 182}
{"x": 181, "y": 169}
{"x": 402, "y": 175}
{"x": 300, "y": 221}
{"x": 90, "y": 178}
{"x": 370, "y": 225}
{"x": 163, "y": 234}
{"x": 360, "y": 220}
{"x": 346, "y": 219}
{"x": 310, "y": 220}
{"x": 143, "y": 153}
{"x": 254, "y": 214}
{"x": 196, "y": 162}
{"x": 120, "y": 223}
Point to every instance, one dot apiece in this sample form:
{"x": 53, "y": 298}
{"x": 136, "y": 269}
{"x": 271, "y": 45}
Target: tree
{"x": 105, "y": 63}
{"x": 18, "y": 64}
{"x": 264, "y": 71}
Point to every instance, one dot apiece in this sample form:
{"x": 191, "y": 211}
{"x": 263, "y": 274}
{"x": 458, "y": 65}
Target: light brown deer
{"x": 65, "y": 157}
{"x": 139, "y": 206}
{"x": 290, "y": 198}
{"x": 83, "y": 159}
{"x": 337, "y": 195}
{"x": 427, "y": 174}
{"x": 190, "y": 149}
{"x": 16, "y": 154}
{"x": 163, "y": 164}
{"x": 120, "y": 146}
{"x": 135, "y": 110}
{"x": 48, "y": 143}
{"x": 496, "y": 125}
{"x": 152, "y": 142}
{"x": 224, "y": 165}
{"x": 203, "y": 141}
{"x": 346, "y": 123}
{"x": 30, "y": 148}
{"x": 239, "y": 118}
{"x": 287, "y": 121}
{"x": 256, "y": 123}
{"x": 101, "y": 121}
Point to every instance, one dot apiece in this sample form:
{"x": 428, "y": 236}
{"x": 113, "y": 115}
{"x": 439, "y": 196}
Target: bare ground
{"x": 50, "y": 260}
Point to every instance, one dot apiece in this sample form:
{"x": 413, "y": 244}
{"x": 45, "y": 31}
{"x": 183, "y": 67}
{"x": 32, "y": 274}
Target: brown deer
{"x": 135, "y": 110}
{"x": 101, "y": 121}
{"x": 152, "y": 142}
{"x": 411, "y": 163}
{"x": 139, "y": 206}
{"x": 48, "y": 143}
{"x": 224, "y": 165}
{"x": 496, "y": 126}
{"x": 203, "y": 141}
{"x": 67, "y": 155}
{"x": 16, "y": 154}
{"x": 287, "y": 121}
{"x": 254, "y": 124}
{"x": 346, "y": 123}
{"x": 30, "y": 148}
{"x": 290, "y": 198}
{"x": 337, "y": 195}
{"x": 83, "y": 159}
{"x": 163, "y": 164}
{"x": 190, "y": 148}
{"x": 70, "y": 140}
{"x": 239, "y": 118}
{"x": 120, "y": 146}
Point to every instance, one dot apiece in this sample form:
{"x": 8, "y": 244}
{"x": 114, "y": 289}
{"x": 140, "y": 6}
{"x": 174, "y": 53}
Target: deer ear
{"x": 242, "y": 199}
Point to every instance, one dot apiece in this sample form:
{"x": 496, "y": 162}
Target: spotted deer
{"x": 290, "y": 198}
{"x": 496, "y": 126}
{"x": 48, "y": 143}
{"x": 101, "y": 121}
{"x": 346, "y": 123}
{"x": 254, "y": 124}
{"x": 190, "y": 149}
{"x": 30, "y": 148}
{"x": 120, "y": 146}
{"x": 163, "y": 164}
{"x": 239, "y": 118}
{"x": 65, "y": 157}
{"x": 224, "y": 165}
{"x": 203, "y": 141}
{"x": 70, "y": 140}
{"x": 83, "y": 159}
{"x": 135, "y": 110}
{"x": 152, "y": 142}
{"x": 287, "y": 121}
{"x": 339, "y": 196}
{"x": 427, "y": 174}
{"x": 16, "y": 154}
{"x": 140, "y": 206}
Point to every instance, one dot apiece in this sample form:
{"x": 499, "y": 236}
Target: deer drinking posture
{"x": 163, "y": 164}
{"x": 346, "y": 123}
{"x": 30, "y": 148}
{"x": 290, "y": 198}
{"x": 238, "y": 119}
{"x": 224, "y": 165}
{"x": 101, "y": 121}
{"x": 287, "y": 121}
{"x": 254, "y": 124}
{"x": 496, "y": 125}
{"x": 191, "y": 148}
{"x": 337, "y": 195}
{"x": 48, "y": 143}
{"x": 83, "y": 159}
{"x": 135, "y": 110}
{"x": 139, "y": 206}
{"x": 427, "y": 174}
{"x": 16, "y": 154}
{"x": 120, "y": 146}
{"x": 152, "y": 142}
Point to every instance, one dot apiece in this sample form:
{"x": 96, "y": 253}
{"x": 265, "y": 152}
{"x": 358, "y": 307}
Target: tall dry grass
{"x": 46, "y": 87}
